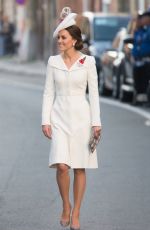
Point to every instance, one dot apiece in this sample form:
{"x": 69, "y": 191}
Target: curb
{"x": 22, "y": 69}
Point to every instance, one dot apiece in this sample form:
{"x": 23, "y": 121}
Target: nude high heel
{"x": 65, "y": 223}
{"x": 74, "y": 228}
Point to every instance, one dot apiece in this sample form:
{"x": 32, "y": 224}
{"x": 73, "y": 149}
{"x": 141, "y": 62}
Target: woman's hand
{"x": 97, "y": 131}
{"x": 47, "y": 130}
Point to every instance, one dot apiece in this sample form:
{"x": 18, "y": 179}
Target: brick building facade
{"x": 114, "y": 6}
{"x": 36, "y": 19}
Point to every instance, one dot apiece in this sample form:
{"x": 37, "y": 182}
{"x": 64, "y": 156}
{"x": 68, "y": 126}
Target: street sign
{"x": 21, "y": 2}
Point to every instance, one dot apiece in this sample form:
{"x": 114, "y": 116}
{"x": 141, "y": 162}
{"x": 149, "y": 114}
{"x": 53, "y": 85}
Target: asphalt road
{"x": 118, "y": 193}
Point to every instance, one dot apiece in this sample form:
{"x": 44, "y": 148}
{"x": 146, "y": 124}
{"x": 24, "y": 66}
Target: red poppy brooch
{"x": 81, "y": 61}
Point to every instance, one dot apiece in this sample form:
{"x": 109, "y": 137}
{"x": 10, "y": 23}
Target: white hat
{"x": 66, "y": 19}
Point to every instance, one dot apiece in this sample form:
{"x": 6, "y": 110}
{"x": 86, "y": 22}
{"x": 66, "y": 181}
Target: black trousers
{"x": 141, "y": 77}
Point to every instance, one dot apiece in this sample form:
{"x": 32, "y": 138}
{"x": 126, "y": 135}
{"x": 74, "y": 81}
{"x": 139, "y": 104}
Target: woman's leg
{"x": 79, "y": 189}
{"x": 63, "y": 181}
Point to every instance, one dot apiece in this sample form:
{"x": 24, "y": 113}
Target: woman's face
{"x": 65, "y": 40}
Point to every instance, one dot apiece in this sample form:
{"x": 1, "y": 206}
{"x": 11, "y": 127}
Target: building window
{"x": 123, "y": 6}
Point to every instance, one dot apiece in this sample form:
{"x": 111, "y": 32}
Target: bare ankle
{"x": 66, "y": 206}
{"x": 75, "y": 212}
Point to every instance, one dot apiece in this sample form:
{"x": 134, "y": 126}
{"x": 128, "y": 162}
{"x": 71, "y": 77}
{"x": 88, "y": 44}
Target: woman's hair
{"x": 75, "y": 33}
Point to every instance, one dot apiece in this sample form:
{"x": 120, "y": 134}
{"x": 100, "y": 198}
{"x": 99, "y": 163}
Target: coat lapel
{"x": 57, "y": 62}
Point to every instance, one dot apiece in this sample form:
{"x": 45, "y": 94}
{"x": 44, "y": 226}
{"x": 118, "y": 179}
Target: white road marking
{"x": 147, "y": 123}
{"x": 138, "y": 111}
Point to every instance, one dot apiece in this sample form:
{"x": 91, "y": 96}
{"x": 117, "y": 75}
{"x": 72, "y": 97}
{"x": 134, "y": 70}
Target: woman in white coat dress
{"x": 68, "y": 117}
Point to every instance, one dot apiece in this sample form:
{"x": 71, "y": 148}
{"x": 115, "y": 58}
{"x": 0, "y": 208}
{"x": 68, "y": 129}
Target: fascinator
{"x": 67, "y": 18}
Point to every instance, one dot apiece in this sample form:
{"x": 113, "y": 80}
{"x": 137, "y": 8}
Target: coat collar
{"x": 58, "y": 62}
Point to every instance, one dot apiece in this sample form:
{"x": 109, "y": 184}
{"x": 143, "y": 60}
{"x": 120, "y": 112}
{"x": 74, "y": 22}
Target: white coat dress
{"x": 69, "y": 112}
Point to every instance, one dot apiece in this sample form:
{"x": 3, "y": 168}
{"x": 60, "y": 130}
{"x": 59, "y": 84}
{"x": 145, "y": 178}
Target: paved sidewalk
{"x": 15, "y": 66}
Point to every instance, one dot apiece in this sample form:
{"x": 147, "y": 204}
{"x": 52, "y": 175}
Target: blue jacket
{"x": 141, "y": 45}
{"x": 136, "y": 51}
{"x": 145, "y": 45}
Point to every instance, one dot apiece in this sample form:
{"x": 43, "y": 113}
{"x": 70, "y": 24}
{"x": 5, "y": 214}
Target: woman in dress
{"x": 68, "y": 117}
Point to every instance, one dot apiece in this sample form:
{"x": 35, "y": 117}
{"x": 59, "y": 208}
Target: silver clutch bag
{"x": 93, "y": 142}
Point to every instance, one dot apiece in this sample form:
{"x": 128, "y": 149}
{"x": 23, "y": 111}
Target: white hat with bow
{"x": 66, "y": 19}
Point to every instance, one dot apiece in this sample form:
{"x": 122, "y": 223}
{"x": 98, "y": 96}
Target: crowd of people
{"x": 7, "y": 30}
{"x": 141, "y": 54}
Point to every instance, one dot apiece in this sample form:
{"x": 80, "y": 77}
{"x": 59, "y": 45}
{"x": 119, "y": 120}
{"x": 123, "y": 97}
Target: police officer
{"x": 141, "y": 54}
{"x": 145, "y": 51}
